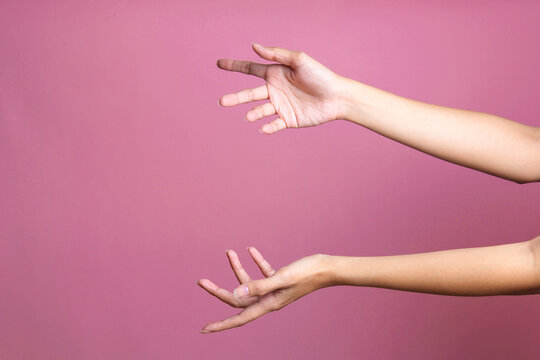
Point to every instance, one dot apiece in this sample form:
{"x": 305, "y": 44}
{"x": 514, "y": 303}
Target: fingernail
{"x": 241, "y": 291}
{"x": 205, "y": 331}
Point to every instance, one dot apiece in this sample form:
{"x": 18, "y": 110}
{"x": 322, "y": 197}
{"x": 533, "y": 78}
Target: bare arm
{"x": 512, "y": 269}
{"x": 481, "y": 141}
{"x": 494, "y": 270}
{"x": 302, "y": 92}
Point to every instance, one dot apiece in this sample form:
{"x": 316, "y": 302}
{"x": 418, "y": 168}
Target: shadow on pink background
{"x": 123, "y": 181}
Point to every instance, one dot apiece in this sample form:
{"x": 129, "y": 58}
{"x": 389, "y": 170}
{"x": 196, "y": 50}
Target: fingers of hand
{"x": 250, "y": 313}
{"x": 284, "y": 56}
{"x": 258, "y": 287}
{"x": 237, "y": 268}
{"x": 274, "y": 126}
{"x": 261, "y": 111}
{"x": 224, "y": 295}
{"x": 245, "y": 96}
{"x": 246, "y": 67}
{"x": 263, "y": 265}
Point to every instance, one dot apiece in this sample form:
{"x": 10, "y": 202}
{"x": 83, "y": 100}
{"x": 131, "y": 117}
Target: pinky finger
{"x": 274, "y": 126}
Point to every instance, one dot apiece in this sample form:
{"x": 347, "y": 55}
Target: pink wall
{"x": 123, "y": 182}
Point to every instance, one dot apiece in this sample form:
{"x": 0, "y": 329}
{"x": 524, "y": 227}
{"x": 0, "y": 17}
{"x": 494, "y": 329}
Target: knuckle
{"x": 240, "y": 323}
{"x": 275, "y": 305}
{"x": 270, "y": 109}
{"x": 274, "y": 54}
{"x": 285, "y": 277}
{"x": 267, "y": 267}
{"x": 254, "y": 289}
{"x": 260, "y": 110}
{"x": 272, "y": 71}
{"x": 251, "y": 95}
{"x": 300, "y": 57}
{"x": 236, "y": 305}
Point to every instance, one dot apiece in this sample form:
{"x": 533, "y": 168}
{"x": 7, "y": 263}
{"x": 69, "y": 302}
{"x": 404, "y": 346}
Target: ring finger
{"x": 261, "y": 111}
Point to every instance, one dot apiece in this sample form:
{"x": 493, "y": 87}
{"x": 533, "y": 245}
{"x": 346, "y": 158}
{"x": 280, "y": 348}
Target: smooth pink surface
{"x": 123, "y": 182}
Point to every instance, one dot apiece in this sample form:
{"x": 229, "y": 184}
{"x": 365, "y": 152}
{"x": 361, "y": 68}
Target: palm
{"x": 302, "y": 92}
{"x": 299, "y": 96}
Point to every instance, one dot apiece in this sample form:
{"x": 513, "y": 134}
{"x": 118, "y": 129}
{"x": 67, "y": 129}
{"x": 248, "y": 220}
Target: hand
{"x": 302, "y": 92}
{"x": 278, "y": 289}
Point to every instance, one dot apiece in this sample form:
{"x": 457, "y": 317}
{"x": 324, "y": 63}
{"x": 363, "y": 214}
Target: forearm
{"x": 495, "y": 270}
{"x": 480, "y": 141}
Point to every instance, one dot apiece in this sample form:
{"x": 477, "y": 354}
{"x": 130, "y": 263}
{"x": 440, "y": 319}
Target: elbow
{"x": 522, "y": 180}
{"x": 527, "y": 177}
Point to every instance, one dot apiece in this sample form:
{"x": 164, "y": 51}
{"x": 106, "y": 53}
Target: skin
{"x": 301, "y": 93}
{"x": 510, "y": 269}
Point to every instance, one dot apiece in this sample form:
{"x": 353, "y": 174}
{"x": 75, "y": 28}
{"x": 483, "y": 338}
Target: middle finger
{"x": 245, "y": 96}
{"x": 224, "y": 295}
{"x": 238, "y": 269}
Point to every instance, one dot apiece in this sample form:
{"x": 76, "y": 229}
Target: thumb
{"x": 258, "y": 287}
{"x": 284, "y": 56}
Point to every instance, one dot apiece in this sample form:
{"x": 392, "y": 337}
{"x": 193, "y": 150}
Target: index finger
{"x": 263, "y": 265}
{"x": 246, "y": 67}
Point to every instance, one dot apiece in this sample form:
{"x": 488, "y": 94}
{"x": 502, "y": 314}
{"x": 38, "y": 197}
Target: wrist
{"x": 349, "y": 270}
{"x": 359, "y": 103}
{"x": 333, "y": 271}
{"x": 324, "y": 272}
{"x": 349, "y": 98}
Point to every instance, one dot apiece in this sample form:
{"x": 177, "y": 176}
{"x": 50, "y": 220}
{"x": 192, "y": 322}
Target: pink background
{"x": 123, "y": 182}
